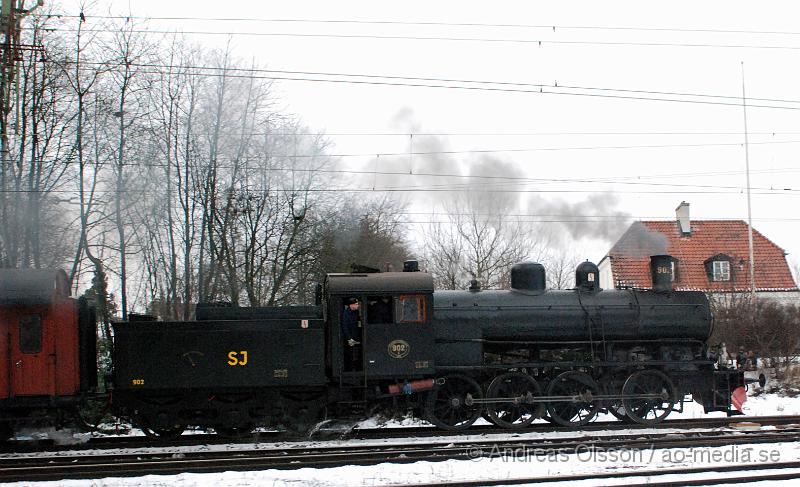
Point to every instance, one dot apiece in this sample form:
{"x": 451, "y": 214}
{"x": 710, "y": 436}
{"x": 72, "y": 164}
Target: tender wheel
{"x": 165, "y": 434}
{"x": 450, "y": 406}
{"x": 91, "y": 412}
{"x": 234, "y": 433}
{"x": 657, "y": 396}
{"x": 6, "y": 431}
{"x": 167, "y": 429}
{"x": 518, "y": 411}
{"x": 580, "y": 408}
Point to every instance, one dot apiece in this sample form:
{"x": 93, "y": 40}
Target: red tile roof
{"x": 630, "y": 256}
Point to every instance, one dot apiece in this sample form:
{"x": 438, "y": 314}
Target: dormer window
{"x": 718, "y": 268}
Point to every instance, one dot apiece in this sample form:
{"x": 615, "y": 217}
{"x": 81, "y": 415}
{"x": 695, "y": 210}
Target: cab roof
{"x": 382, "y": 282}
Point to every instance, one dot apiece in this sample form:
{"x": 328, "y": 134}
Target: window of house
{"x": 30, "y": 334}
{"x": 412, "y": 309}
{"x": 721, "y": 270}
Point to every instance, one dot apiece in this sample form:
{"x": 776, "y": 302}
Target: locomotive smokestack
{"x": 662, "y": 272}
{"x": 411, "y": 266}
{"x": 528, "y": 278}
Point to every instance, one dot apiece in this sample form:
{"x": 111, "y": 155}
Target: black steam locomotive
{"x": 511, "y": 356}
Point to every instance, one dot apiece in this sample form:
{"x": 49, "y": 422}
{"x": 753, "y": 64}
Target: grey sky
{"x": 689, "y": 148}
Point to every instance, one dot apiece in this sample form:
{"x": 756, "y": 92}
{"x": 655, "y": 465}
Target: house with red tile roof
{"x": 709, "y": 255}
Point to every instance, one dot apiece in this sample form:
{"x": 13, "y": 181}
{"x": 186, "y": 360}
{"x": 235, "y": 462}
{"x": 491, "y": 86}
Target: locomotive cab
{"x": 392, "y": 337}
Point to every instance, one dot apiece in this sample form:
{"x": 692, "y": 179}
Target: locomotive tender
{"x": 511, "y": 356}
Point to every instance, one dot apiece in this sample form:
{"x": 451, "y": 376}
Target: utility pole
{"x": 11, "y": 14}
{"x": 749, "y": 211}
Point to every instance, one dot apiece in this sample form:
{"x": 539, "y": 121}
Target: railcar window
{"x": 412, "y": 309}
{"x": 30, "y": 334}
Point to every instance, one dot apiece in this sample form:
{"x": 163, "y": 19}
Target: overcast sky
{"x": 529, "y": 119}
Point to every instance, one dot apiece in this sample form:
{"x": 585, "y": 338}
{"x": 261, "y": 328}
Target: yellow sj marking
{"x": 237, "y": 358}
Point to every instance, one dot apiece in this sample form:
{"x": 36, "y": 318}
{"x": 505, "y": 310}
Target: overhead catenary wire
{"x": 504, "y": 179}
{"x": 442, "y": 83}
{"x": 540, "y": 42}
{"x": 434, "y": 23}
{"x": 227, "y": 69}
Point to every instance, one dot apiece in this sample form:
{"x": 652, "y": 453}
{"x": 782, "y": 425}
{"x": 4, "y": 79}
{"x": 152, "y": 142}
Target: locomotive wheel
{"x": 580, "y": 409}
{"x": 450, "y": 406}
{"x": 516, "y": 412}
{"x": 234, "y": 433}
{"x": 648, "y": 410}
{"x": 6, "y": 431}
{"x": 91, "y": 412}
{"x": 161, "y": 432}
{"x": 612, "y": 384}
{"x": 165, "y": 434}
{"x": 617, "y": 410}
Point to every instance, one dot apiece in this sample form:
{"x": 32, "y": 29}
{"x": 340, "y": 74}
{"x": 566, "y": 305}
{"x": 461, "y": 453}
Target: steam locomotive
{"x": 451, "y": 357}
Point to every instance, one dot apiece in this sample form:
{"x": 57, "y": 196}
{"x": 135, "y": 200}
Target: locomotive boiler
{"x": 635, "y": 353}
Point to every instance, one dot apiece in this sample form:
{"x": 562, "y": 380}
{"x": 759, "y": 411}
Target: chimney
{"x": 682, "y": 215}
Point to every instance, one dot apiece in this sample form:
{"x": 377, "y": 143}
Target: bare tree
{"x": 128, "y": 47}
{"x": 483, "y": 239}
{"x": 33, "y": 170}
{"x": 560, "y": 264}
{"x": 443, "y": 255}
{"x": 81, "y": 82}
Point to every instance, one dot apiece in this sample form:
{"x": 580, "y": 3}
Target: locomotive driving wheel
{"x": 653, "y": 396}
{"x": 517, "y": 410}
{"x": 612, "y": 384}
{"x": 451, "y": 406}
{"x": 579, "y": 409}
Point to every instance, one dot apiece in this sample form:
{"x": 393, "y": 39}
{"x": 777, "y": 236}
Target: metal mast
{"x": 749, "y": 211}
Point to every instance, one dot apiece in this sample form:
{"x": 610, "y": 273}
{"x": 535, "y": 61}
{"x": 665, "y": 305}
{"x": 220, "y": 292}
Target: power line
{"x": 283, "y": 133}
{"x": 413, "y": 190}
{"x": 442, "y": 80}
{"x": 542, "y": 90}
{"x": 454, "y": 187}
{"x": 512, "y": 150}
{"x": 444, "y": 24}
{"x": 567, "y": 217}
{"x": 539, "y": 42}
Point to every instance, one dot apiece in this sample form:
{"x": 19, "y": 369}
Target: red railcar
{"x": 47, "y": 349}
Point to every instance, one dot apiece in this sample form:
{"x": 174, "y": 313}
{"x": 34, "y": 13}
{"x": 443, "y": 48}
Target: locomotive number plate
{"x": 398, "y": 348}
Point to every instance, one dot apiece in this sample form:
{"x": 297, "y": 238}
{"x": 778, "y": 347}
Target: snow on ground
{"x": 517, "y": 464}
{"x": 498, "y": 465}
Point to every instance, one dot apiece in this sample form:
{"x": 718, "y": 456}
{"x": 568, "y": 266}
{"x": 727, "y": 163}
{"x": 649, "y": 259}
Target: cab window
{"x": 379, "y": 310}
{"x": 412, "y": 308}
{"x": 30, "y": 334}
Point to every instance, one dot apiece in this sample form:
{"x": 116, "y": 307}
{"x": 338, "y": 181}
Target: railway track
{"x": 665, "y": 477}
{"x": 98, "y": 465}
{"x": 115, "y": 442}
